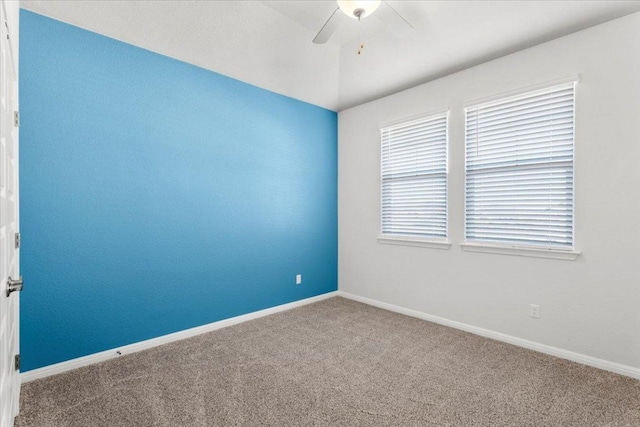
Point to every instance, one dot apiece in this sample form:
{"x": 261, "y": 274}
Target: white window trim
{"x": 425, "y": 242}
{"x": 575, "y": 78}
{"x": 536, "y": 252}
{"x": 389, "y": 239}
{"x": 438, "y": 112}
{"x": 569, "y": 254}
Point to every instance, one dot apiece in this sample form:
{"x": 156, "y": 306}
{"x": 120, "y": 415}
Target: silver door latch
{"x": 14, "y": 285}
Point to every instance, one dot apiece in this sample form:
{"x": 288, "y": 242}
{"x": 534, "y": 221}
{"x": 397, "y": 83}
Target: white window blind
{"x": 519, "y": 169}
{"x": 414, "y": 178}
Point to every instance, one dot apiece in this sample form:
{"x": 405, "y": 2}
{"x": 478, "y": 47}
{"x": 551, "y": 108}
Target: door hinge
{"x": 16, "y": 118}
{"x": 16, "y": 362}
{"x": 17, "y": 240}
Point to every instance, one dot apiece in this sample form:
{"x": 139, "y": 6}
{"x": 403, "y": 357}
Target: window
{"x": 414, "y": 179}
{"x": 519, "y": 170}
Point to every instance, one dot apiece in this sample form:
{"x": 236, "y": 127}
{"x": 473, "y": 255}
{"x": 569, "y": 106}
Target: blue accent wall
{"x": 157, "y": 196}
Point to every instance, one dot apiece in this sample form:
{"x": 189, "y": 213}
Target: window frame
{"x": 408, "y": 240}
{"x": 523, "y": 249}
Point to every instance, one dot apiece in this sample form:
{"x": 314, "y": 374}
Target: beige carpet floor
{"x": 333, "y": 363}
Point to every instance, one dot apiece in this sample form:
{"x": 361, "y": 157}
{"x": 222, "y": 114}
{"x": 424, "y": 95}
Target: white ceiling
{"x": 268, "y": 43}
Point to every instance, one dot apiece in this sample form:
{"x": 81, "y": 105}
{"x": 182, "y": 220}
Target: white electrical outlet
{"x": 534, "y": 311}
{"x": 298, "y": 279}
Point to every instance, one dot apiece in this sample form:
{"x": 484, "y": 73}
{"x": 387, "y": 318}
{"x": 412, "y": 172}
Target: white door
{"x": 9, "y": 256}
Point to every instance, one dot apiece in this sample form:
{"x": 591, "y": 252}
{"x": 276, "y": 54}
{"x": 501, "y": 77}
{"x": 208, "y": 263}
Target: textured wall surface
{"x": 589, "y": 306}
{"x": 157, "y": 196}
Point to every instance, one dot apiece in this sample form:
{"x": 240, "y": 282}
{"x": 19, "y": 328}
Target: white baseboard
{"x": 143, "y": 345}
{"x": 165, "y": 339}
{"x": 531, "y": 345}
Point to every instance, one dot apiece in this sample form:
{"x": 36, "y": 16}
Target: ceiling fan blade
{"x": 392, "y": 19}
{"x": 328, "y": 28}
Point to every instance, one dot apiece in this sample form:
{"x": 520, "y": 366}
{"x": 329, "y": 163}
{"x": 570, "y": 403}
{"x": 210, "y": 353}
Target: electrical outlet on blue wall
{"x": 137, "y": 169}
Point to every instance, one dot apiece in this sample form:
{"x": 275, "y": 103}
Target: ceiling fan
{"x": 360, "y": 9}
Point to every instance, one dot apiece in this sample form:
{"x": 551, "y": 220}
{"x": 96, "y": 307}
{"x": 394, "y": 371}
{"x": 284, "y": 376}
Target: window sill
{"x": 567, "y": 255}
{"x": 410, "y": 241}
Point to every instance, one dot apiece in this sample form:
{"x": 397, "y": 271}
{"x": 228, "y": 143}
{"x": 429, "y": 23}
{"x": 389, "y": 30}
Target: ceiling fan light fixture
{"x": 358, "y": 9}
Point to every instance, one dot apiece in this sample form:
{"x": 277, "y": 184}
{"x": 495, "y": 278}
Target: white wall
{"x": 589, "y": 306}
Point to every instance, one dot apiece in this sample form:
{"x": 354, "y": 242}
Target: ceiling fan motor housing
{"x": 358, "y": 9}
